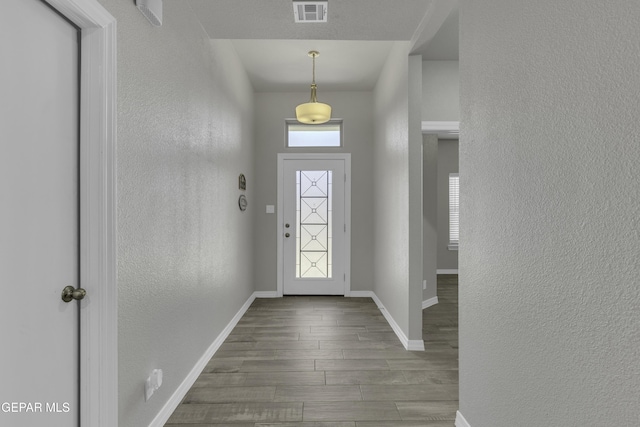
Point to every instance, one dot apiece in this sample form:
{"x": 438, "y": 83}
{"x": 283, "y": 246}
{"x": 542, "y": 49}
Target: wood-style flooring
{"x": 329, "y": 362}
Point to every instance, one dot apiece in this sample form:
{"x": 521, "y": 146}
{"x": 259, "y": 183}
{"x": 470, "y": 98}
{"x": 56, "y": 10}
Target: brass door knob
{"x": 70, "y": 293}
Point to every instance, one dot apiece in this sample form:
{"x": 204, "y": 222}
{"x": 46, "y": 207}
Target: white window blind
{"x": 454, "y": 210}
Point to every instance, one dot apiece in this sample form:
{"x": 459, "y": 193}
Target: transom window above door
{"x": 327, "y": 134}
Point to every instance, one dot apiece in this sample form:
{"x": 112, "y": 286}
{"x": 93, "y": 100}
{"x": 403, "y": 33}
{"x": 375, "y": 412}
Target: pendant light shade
{"x": 313, "y": 112}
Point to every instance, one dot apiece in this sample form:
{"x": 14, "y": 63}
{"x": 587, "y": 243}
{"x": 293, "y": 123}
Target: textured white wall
{"x": 394, "y": 264}
{"x": 184, "y": 249}
{"x": 440, "y": 91}
{"x": 271, "y": 110}
{"x": 550, "y": 193}
{"x": 414, "y": 207}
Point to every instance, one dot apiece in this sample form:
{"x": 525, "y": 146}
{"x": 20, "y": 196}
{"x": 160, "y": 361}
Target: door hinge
{"x": 345, "y": 177}
{"x": 345, "y": 228}
{"x": 344, "y": 277}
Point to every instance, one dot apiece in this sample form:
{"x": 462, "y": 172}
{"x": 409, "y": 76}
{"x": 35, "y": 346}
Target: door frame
{"x": 347, "y": 213}
{"x": 98, "y": 262}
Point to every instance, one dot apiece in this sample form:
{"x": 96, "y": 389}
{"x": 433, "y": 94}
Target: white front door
{"x": 314, "y": 226}
{"x": 39, "y": 221}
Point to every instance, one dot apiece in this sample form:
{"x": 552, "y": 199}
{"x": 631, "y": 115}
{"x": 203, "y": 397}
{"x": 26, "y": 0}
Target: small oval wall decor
{"x": 242, "y": 202}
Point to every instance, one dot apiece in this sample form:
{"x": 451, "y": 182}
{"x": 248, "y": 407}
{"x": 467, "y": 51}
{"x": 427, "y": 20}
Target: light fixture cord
{"x": 313, "y": 97}
{"x": 314, "y": 68}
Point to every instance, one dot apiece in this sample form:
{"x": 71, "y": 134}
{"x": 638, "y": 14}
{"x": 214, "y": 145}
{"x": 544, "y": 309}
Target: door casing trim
{"x": 347, "y": 213}
{"x": 98, "y": 261}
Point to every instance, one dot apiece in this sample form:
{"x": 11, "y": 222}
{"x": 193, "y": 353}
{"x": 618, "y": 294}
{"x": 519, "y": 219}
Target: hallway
{"x": 331, "y": 362}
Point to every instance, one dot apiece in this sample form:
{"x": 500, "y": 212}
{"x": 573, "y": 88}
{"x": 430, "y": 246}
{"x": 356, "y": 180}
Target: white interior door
{"x": 314, "y": 227}
{"x": 39, "y": 221}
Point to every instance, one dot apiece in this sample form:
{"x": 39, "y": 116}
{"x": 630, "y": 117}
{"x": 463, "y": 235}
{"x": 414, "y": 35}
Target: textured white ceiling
{"x": 346, "y": 19}
{"x": 284, "y": 65}
{"x": 353, "y": 44}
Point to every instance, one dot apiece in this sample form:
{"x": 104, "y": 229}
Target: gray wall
{"x": 447, "y": 163}
{"x": 271, "y": 110}
{"x": 393, "y": 262}
{"x": 184, "y": 249}
{"x": 440, "y": 91}
{"x": 430, "y": 214}
{"x": 549, "y": 155}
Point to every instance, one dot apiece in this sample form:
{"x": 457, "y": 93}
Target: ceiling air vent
{"x": 310, "y": 11}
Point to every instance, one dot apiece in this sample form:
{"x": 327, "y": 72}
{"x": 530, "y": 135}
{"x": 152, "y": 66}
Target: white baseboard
{"x": 415, "y": 345}
{"x": 412, "y": 345}
{"x": 429, "y": 302}
{"x": 187, "y": 383}
{"x": 266, "y": 294}
{"x": 460, "y": 421}
{"x": 447, "y": 271}
{"x": 361, "y": 294}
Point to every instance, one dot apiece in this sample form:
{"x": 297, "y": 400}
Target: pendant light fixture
{"x": 313, "y": 112}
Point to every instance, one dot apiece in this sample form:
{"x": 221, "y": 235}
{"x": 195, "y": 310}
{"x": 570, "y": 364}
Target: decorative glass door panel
{"x": 313, "y": 224}
{"x": 314, "y": 229}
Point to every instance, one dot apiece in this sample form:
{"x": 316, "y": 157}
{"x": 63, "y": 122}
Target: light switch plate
{"x": 152, "y": 383}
